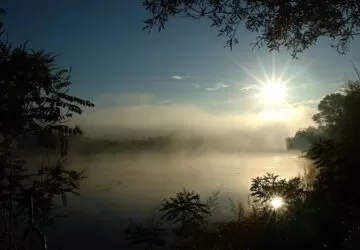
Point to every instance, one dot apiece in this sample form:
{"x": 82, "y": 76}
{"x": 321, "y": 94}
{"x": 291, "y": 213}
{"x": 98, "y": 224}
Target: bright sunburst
{"x": 272, "y": 91}
{"x": 273, "y": 94}
{"x": 276, "y": 202}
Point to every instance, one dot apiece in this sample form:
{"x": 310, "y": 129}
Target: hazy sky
{"x": 116, "y": 64}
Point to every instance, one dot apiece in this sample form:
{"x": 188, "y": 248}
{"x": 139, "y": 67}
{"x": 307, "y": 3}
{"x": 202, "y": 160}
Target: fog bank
{"x": 186, "y": 122}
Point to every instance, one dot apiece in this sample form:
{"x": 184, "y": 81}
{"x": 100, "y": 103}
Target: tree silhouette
{"x": 331, "y": 119}
{"x": 336, "y": 190}
{"x": 186, "y": 216}
{"x": 330, "y": 111}
{"x": 264, "y": 188}
{"x": 295, "y": 25}
{"x": 34, "y": 103}
{"x": 2, "y": 11}
{"x": 258, "y": 227}
{"x": 335, "y": 195}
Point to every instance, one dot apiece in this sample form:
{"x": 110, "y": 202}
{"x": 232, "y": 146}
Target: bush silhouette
{"x": 34, "y": 104}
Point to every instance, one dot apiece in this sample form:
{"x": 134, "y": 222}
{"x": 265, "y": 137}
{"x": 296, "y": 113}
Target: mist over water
{"x": 124, "y": 185}
{"x": 146, "y": 177}
{"x": 135, "y": 157}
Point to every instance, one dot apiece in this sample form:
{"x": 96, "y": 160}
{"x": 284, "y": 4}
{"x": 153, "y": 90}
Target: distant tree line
{"x": 83, "y": 145}
{"x": 304, "y": 138}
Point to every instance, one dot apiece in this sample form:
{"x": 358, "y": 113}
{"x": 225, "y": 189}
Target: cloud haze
{"x": 217, "y": 86}
{"x": 126, "y": 99}
{"x": 187, "y": 120}
{"x": 177, "y": 77}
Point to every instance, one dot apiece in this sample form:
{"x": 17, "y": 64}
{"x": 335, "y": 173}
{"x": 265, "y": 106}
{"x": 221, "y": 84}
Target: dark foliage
{"x": 321, "y": 215}
{"x": 34, "y": 94}
{"x": 336, "y": 191}
{"x": 2, "y": 11}
{"x": 184, "y": 208}
{"x": 150, "y": 237}
{"x": 264, "y": 188}
{"x": 294, "y": 25}
{"x": 187, "y": 215}
{"x": 34, "y": 101}
{"x": 304, "y": 138}
{"x": 260, "y": 227}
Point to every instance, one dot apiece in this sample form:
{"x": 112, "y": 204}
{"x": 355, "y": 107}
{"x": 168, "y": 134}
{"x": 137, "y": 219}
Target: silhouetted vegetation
{"x": 187, "y": 220}
{"x": 304, "y": 138}
{"x": 336, "y": 158}
{"x": 84, "y": 145}
{"x": 34, "y": 102}
{"x": 2, "y": 11}
{"x": 319, "y": 212}
{"x": 324, "y": 213}
{"x": 332, "y": 114}
{"x": 294, "y": 25}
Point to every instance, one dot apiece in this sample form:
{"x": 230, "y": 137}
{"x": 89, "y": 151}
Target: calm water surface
{"x": 122, "y": 186}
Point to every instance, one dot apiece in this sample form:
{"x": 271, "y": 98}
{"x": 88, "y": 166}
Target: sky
{"x": 182, "y": 75}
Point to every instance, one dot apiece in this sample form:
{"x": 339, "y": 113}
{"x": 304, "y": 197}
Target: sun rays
{"x": 272, "y": 91}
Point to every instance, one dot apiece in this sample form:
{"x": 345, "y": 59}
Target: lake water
{"x": 132, "y": 185}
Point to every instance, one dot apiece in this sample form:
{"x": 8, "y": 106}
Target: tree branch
{"x": 31, "y": 222}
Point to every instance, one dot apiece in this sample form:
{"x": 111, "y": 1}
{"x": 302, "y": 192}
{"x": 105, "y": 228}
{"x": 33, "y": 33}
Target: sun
{"x": 276, "y": 202}
{"x": 273, "y": 94}
{"x": 273, "y": 91}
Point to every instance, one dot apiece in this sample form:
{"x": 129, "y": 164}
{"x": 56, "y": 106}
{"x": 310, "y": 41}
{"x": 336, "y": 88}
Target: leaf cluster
{"x": 295, "y": 25}
{"x": 254, "y": 228}
{"x": 34, "y": 93}
{"x": 34, "y": 103}
{"x": 265, "y": 188}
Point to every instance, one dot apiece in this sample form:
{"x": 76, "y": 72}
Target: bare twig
{"x": 31, "y": 222}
